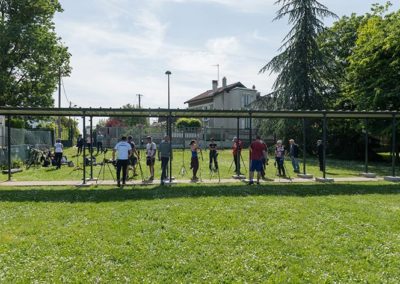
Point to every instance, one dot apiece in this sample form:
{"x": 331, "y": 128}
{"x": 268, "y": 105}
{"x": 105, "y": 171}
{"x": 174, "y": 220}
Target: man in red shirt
{"x": 257, "y": 152}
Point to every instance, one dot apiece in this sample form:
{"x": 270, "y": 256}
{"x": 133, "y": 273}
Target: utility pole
{"x": 59, "y": 102}
{"x": 140, "y": 99}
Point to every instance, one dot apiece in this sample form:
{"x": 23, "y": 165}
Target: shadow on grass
{"x": 191, "y": 191}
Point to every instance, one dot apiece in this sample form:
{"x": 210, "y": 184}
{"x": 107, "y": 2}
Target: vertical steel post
{"x": 237, "y": 147}
{"x": 250, "y": 137}
{"x": 170, "y": 147}
{"x": 84, "y": 149}
{"x": 324, "y": 144}
{"x": 304, "y": 145}
{"x": 91, "y": 147}
{"x": 394, "y": 145}
{"x": 366, "y": 144}
{"x": 9, "y": 146}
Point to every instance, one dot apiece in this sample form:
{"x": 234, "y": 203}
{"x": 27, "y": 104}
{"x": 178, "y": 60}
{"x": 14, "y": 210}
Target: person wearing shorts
{"x": 257, "y": 152}
{"x": 151, "y": 149}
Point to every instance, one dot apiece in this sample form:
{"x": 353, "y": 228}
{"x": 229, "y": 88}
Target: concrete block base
{"x": 325, "y": 180}
{"x": 368, "y": 175}
{"x": 392, "y": 179}
{"x": 88, "y": 184}
{"x": 238, "y": 177}
{"x": 305, "y": 176}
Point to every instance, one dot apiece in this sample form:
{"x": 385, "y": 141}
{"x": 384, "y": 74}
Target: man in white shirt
{"x": 124, "y": 150}
{"x": 151, "y": 149}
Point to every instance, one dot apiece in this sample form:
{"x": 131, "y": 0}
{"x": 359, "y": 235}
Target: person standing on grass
{"x": 280, "y": 157}
{"x": 257, "y": 153}
{"x": 264, "y": 162}
{"x": 236, "y": 152}
{"x": 213, "y": 154}
{"x": 124, "y": 152}
{"x": 58, "y": 152}
{"x": 164, "y": 156}
{"x": 151, "y": 150}
{"x": 320, "y": 154}
{"x": 99, "y": 142}
{"x": 294, "y": 155}
{"x": 79, "y": 144}
{"x": 194, "y": 162}
{"x": 133, "y": 159}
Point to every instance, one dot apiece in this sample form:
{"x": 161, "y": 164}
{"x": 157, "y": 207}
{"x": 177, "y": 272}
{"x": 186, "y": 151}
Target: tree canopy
{"x": 300, "y": 66}
{"x": 31, "y": 54}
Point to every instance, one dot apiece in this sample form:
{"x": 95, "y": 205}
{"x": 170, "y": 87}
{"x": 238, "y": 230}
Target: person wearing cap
{"x": 194, "y": 162}
{"x": 58, "y": 152}
{"x": 257, "y": 153}
{"x": 213, "y": 154}
{"x": 151, "y": 150}
{"x": 236, "y": 152}
{"x": 280, "y": 157}
{"x": 124, "y": 152}
{"x": 294, "y": 155}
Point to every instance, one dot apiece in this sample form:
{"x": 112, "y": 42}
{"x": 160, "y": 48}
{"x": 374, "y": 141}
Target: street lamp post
{"x": 169, "y": 131}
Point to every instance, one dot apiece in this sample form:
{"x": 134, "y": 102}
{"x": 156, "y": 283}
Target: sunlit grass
{"x": 275, "y": 233}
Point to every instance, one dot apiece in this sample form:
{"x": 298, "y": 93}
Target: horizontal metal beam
{"x": 118, "y": 112}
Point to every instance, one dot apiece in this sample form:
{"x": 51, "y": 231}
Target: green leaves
{"x": 31, "y": 54}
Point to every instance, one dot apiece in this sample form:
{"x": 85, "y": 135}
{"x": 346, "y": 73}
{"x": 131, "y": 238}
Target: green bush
{"x": 188, "y": 123}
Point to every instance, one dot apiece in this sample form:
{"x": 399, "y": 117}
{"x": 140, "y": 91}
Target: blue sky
{"x": 121, "y": 48}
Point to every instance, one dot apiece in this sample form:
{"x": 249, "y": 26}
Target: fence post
{"x": 84, "y": 148}
{"x": 366, "y": 144}
{"x": 9, "y": 146}
{"x": 394, "y": 145}
{"x": 304, "y": 145}
{"x": 238, "y": 149}
{"x": 91, "y": 147}
{"x": 250, "y": 137}
{"x": 324, "y": 145}
{"x": 170, "y": 146}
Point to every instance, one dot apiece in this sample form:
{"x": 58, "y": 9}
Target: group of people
{"x": 90, "y": 143}
{"x": 128, "y": 155}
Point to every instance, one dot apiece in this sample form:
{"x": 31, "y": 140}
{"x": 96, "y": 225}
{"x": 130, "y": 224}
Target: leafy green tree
{"x": 301, "y": 65}
{"x": 31, "y": 54}
{"x": 126, "y": 121}
{"x": 374, "y": 70}
{"x": 182, "y": 123}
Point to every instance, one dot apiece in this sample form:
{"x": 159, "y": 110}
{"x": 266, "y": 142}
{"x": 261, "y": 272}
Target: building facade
{"x": 235, "y": 96}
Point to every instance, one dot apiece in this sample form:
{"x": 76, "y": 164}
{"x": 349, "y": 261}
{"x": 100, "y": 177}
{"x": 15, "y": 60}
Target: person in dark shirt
{"x": 294, "y": 155}
{"x": 213, "y": 154}
{"x": 280, "y": 157}
{"x": 79, "y": 144}
{"x": 194, "y": 162}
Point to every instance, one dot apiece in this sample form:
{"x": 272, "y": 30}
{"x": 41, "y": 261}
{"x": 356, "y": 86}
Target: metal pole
{"x": 250, "y": 136}
{"x": 366, "y": 144}
{"x": 304, "y": 145}
{"x": 394, "y": 146}
{"x": 91, "y": 147}
{"x": 84, "y": 149}
{"x": 169, "y": 123}
{"x": 324, "y": 144}
{"x": 9, "y": 146}
{"x": 238, "y": 149}
{"x": 59, "y": 101}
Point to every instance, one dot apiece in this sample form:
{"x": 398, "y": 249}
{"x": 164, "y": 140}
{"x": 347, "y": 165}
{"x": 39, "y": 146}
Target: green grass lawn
{"x": 314, "y": 233}
{"x": 335, "y": 168}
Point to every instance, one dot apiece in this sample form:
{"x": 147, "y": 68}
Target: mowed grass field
{"x": 314, "y": 233}
{"x": 335, "y": 168}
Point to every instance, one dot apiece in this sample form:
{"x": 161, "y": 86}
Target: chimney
{"x": 254, "y": 87}
{"x": 224, "y": 82}
{"x": 214, "y": 85}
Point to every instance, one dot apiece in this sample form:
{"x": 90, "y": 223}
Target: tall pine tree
{"x": 301, "y": 65}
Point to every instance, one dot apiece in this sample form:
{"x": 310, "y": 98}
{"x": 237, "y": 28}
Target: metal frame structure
{"x": 324, "y": 115}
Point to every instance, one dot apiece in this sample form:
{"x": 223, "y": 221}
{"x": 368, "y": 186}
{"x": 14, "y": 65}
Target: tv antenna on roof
{"x": 217, "y": 65}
